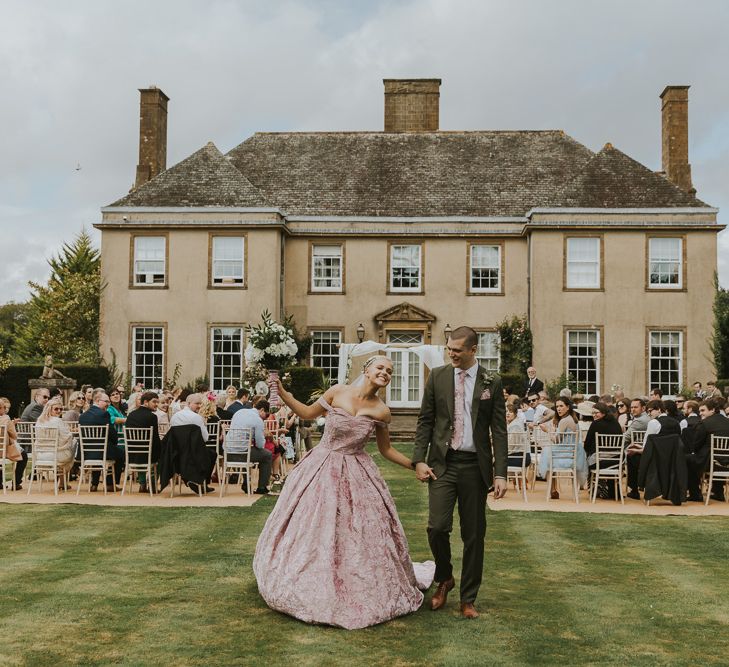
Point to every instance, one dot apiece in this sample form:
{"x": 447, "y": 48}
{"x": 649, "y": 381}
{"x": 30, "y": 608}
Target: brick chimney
{"x": 674, "y": 139}
{"x": 412, "y": 105}
{"x": 152, "y": 134}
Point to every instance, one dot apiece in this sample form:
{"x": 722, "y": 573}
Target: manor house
{"x": 397, "y": 235}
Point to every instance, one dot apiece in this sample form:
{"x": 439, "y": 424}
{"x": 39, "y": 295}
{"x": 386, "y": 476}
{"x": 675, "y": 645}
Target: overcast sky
{"x": 70, "y": 73}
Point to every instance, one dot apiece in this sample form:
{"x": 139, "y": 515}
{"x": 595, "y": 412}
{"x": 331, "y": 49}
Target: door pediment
{"x": 405, "y": 314}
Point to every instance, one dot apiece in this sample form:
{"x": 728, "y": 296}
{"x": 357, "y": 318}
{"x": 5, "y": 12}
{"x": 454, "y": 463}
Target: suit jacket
{"x": 536, "y": 387}
{"x": 435, "y": 423}
{"x": 144, "y": 418}
{"x": 715, "y": 424}
{"x": 95, "y": 416}
{"x": 184, "y": 452}
{"x": 662, "y": 469}
{"x": 32, "y": 412}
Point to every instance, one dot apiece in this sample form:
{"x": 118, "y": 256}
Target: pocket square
{"x": 485, "y": 395}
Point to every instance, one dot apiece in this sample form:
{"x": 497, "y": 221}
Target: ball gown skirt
{"x": 333, "y": 550}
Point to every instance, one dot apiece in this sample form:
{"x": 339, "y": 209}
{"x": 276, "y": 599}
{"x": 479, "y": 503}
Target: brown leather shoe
{"x": 441, "y": 593}
{"x": 468, "y": 610}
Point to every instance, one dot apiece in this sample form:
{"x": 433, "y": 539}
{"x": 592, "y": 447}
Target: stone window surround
{"x": 221, "y": 325}
{"x": 312, "y": 330}
{"x": 601, "y": 348}
{"x": 130, "y": 363}
{"x": 405, "y": 242}
{"x": 502, "y": 263}
{"x": 161, "y": 234}
{"x": 310, "y": 279}
{"x": 601, "y": 287}
{"x": 656, "y": 288}
{"x": 224, "y": 286}
{"x": 682, "y": 374}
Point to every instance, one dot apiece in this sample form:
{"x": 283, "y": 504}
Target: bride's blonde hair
{"x": 371, "y": 360}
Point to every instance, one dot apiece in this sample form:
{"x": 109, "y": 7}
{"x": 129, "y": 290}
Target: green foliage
{"x": 513, "y": 382}
{"x": 14, "y": 381}
{"x": 553, "y": 387}
{"x": 271, "y": 344}
{"x": 720, "y": 336}
{"x": 200, "y": 381}
{"x": 117, "y": 377}
{"x": 304, "y": 381}
{"x": 515, "y": 346}
{"x": 63, "y": 315}
{"x": 12, "y": 317}
{"x": 171, "y": 383}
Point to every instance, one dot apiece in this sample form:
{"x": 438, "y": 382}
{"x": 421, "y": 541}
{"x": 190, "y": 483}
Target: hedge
{"x": 14, "y": 381}
{"x": 304, "y": 380}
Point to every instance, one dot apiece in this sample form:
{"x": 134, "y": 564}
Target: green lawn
{"x": 99, "y": 586}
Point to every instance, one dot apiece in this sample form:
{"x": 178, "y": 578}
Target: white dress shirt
{"x": 187, "y": 416}
{"x": 469, "y": 384}
{"x": 249, "y": 418}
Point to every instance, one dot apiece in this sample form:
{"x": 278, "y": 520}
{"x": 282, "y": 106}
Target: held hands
{"x": 499, "y": 488}
{"x": 424, "y": 472}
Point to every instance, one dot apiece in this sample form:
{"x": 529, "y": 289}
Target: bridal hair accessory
{"x": 370, "y": 360}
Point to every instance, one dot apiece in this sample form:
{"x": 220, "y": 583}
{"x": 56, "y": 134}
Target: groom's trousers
{"x": 462, "y": 483}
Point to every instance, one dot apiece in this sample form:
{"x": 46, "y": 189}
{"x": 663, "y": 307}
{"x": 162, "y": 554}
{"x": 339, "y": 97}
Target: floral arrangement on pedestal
{"x": 271, "y": 345}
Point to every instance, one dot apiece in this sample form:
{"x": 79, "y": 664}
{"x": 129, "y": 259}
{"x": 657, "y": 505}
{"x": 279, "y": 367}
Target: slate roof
{"x": 483, "y": 173}
{"x": 206, "y": 178}
{"x": 611, "y": 179}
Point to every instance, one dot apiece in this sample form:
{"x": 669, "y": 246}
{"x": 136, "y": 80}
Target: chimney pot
{"x": 412, "y": 105}
{"x": 674, "y": 136}
{"x": 152, "y": 134}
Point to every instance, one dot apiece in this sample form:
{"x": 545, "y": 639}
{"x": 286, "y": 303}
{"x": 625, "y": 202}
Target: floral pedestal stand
{"x": 273, "y": 397}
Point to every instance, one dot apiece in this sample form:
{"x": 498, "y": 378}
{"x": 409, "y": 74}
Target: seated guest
{"x": 162, "y": 411}
{"x": 14, "y": 452}
{"x": 697, "y": 460}
{"x": 209, "y": 410}
{"x": 655, "y": 394}
{"x": 712, "y": 391}
{"x": 672, "y": 411}
{"x": 35, "y": 407}
{"x": 542, "y": 413}
{"x": 75, "y": 407}
{"x": 220, "y": 409}
{"x": 241, "y": 402}
{"x": 96, "y": 415}
{"x": 88, "y": 391}
{"x": 513, "y": 425}
{"x": 603, "y": 422}
{"x": 179, "y": 400}
{"x": 253, "y": 418}
{"x": 51, "y": 417}
{"x": 563, "y": 422}
{"x": 660, "y": 422}
{"x": 638, "y": 424}
{"x": 699, "y": 393}
{"x": 117, "y": 416}
{"x": 526, "y": 412}
{"x": 145, "y": 416}
{"x": 623, "y": 414}
{"x": 189, "y": 415}
{"x": 230, "y": 396}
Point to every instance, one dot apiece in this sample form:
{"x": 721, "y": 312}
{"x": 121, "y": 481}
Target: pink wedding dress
{"x": 333, "y": 550}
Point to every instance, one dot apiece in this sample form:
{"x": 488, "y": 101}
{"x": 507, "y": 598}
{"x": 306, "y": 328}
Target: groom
{"x": 461, "y": 403}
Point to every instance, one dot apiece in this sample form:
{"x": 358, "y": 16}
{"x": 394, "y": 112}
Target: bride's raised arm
{"x": 304, "y": 411}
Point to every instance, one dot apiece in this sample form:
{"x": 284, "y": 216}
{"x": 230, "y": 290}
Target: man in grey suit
{"x": 461, "y": 450}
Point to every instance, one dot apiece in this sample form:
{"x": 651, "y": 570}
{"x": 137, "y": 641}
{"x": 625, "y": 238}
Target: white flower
{"x": 253, "y": 354}
{"x": 320, "y": 421}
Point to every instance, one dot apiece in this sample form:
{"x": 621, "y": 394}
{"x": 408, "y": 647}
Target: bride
{"x": 333, "y": 550}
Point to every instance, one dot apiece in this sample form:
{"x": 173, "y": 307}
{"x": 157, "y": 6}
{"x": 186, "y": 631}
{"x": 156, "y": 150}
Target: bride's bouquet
{"x": 270, "y": 344}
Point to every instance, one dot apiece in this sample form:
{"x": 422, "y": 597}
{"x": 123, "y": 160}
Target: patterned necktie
{"x": 459, "y": 405}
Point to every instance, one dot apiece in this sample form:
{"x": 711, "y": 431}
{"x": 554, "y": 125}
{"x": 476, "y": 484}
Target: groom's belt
{"x": 457, "y": 455}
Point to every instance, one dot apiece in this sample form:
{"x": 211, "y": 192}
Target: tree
{"x": 63, "y": 315}
{"x": 12, "y": 318}
{"x": 720, "y": 337}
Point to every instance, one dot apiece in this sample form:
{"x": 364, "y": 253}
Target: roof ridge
{"x": 401, "y": 134}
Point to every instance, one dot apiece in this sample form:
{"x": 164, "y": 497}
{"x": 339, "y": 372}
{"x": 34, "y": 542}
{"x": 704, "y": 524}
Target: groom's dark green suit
{"x": 461, "y": 476}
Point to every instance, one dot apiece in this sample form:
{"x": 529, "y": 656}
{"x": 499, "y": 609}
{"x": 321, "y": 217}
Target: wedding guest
{"x": 122, "y": 391}
{"x": 180, "y": 401}
{"x": 75, "y": 407}
{"x": 603, "y": 422}
{"x": 162, "y": 411}
{"x": 34, "y": 409}
{"x": 88, "y": 391}
{"x": 242, "y": 401}
{"x": 660, "y": 422}
{"x": 621, "y": 406}
{"x": 51, "y": 417}
{"x": 117, "y": 416}
{"x": 220, "y": 404}
{"x": 209, "y": 409}
{"x": 697, "y": 460}
{"x": 563, "y": 421}
{"x": 672, "y": 411}
{"x": 655, "y": 394}
{"x": 96, "y": 415}
{"x": 542, "y": 413}
{"x": 638, "y": 424}
{"x": 253, "y": 418}
{"x": 712, "y": 391}
{"x": 145, "y": 416}
{"x": 14, "y": 452}
{"x": 230, "y": 396}
{"x": 189, "y": 414}
{"x": 533, "y": 384}
{"x": 513, "y": 425}
{"x": 699, "y": 393}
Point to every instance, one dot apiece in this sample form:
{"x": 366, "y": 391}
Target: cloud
{"x": 72, "y": 71}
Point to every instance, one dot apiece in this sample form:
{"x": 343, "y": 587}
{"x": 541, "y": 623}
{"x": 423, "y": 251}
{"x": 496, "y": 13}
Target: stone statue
{"x": 50, "y": 373}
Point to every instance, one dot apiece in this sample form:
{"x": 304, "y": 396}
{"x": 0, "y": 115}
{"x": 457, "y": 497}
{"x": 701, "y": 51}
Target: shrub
{"x": 304, "y": 380}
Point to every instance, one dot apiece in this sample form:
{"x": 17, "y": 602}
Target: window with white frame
{"x": 485, "y": 268}
{"x": 149, "y": 260}
{"x": 487, "y": 352}
{"x": 665, "y": 262}
{"x": 228, "y": 259}
{"x": 665, "y": 361}
{"x": 583, "y": 359}
{"x": 148, "y": 356}
{"x": 226, "y": 356}
{"x": 326, "y": 268}
{"x": 405, "y": 268}
{"x": 583, "y": 263}
{"x": 325, "y": 352}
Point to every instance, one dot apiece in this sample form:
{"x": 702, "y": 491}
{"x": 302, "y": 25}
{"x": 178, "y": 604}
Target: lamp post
{"x": 360, "y": 332}
{"x": 447, "y": 332}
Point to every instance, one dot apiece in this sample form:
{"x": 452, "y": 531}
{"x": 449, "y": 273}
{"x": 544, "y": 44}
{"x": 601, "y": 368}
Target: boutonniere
{"x": 485, "y": 394}
{"x": 487, "y": 378}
